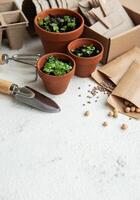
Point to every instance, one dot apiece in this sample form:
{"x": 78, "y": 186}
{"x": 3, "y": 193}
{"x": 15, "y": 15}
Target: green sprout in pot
{"x": 58, "y": 24}
{"x": 86, "y": 51}
{"x": 56, "y": 67}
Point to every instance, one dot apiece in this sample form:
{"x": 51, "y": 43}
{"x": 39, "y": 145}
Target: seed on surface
{"x": 110, "y": 114}
{"x": 105, "y": 124}
{"x": 126, "y": 103}
{"x": 87, "y": 113}
{"x": 133, "y": 109}
{"x": 138, "y": 110}
{"x": 115, "y": 113}
{"x": 115, "y": 110}
{"x": 127, "y": 109}
{"x": 124, "y": 126}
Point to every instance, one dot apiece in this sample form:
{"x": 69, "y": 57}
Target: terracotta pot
{"x": 85, "y": 65}
{"x": 58, "y": 41}
{"x": 55, "y": 84}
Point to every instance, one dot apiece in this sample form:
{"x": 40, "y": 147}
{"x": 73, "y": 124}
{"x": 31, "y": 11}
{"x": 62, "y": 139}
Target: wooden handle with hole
{"x": 5, "y": 86}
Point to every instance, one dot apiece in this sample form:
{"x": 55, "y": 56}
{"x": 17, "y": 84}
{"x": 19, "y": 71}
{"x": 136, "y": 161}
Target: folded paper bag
{"x": 127, "y": 89}
{"x": 114, "y": 70}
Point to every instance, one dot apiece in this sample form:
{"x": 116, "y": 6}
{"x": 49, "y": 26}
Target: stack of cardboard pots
{"x": 12, "y": 23}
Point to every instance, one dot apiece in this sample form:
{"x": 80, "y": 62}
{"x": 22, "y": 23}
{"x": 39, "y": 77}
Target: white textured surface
{"x": 64, "y": 156}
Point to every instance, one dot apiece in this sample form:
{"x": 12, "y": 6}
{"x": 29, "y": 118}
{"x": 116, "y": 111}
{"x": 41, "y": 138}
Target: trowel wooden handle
{"x": 1, "y": 59}
{"x": 5, "y": 86}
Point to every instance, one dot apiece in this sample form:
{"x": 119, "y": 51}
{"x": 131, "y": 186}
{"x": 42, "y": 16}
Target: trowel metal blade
{"x": 38, "y": 101}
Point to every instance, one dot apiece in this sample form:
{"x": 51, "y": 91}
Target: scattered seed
{"x": 87, "y": 113}
{"x": 105, "y": 124}
{"x": 127, "y": 109}
{"x": 84, "y": 104}
{"x": 133, "y": 109}
{"x": 88, "y": 102}
{"x": 111, "y": 114}
{"x": 124, "y": 126}
{"x": 126, "y": 103}
{"x": 115, "y": 113}
{"x": 89, "y": 97}
{"x": 79, "y": 88}
{"x": 138, "y": 110}
{"x": 79, "y": 95}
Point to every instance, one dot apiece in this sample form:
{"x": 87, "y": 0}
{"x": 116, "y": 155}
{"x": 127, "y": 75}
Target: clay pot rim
{"x": 56, "y": 54}
{"x": 54, "y": 33}
{"x": 84, "y": 39}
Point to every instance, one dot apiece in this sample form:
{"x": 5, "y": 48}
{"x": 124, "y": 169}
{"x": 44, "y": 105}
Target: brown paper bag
{"x": 114, "y": 70}
{"x": 127, "y": 89}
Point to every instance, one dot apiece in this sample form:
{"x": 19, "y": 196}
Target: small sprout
{"x": 138, "y": 110}
{"x": 87, "y": 113}
{"x": 133, "y": 109}
{"x": 56, "y": 67}
{"x": 124, "y": 126}
{"x": 111, "y": 114}
{"x": 105, "y": 124}
{"x": 127, "y": 109}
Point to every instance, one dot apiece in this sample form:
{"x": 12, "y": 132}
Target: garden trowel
{"x": 29, "y": 96}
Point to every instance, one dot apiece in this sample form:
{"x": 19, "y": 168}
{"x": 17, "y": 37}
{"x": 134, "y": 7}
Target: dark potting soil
{"x": 59, "y": 24}
{"x": 86, "y": 51}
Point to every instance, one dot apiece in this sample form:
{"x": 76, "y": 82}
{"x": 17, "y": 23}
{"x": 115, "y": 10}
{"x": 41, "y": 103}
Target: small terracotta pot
{"x": 55, "y": 84}
{"x": 85, "y": 65}
{"x": 53, "y": 42}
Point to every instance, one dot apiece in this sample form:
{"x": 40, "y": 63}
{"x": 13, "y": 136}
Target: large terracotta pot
{"x": 55, "y": 84}
{"x": 57, "y": 42}
{"x": 85, "y": 65}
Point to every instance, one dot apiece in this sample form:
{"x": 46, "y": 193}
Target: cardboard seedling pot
{"x": 8, "y": 5}
{"x": 13, "y": 23}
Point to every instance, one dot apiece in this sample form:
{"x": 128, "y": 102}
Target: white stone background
{"x": 64, "y": 156}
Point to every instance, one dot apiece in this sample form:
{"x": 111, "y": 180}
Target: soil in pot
{"x": 59, "y": 24}
{"x": 56, "y": 70}
{"x": 58, "y": 27}
{"x": 87, "y": 53}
